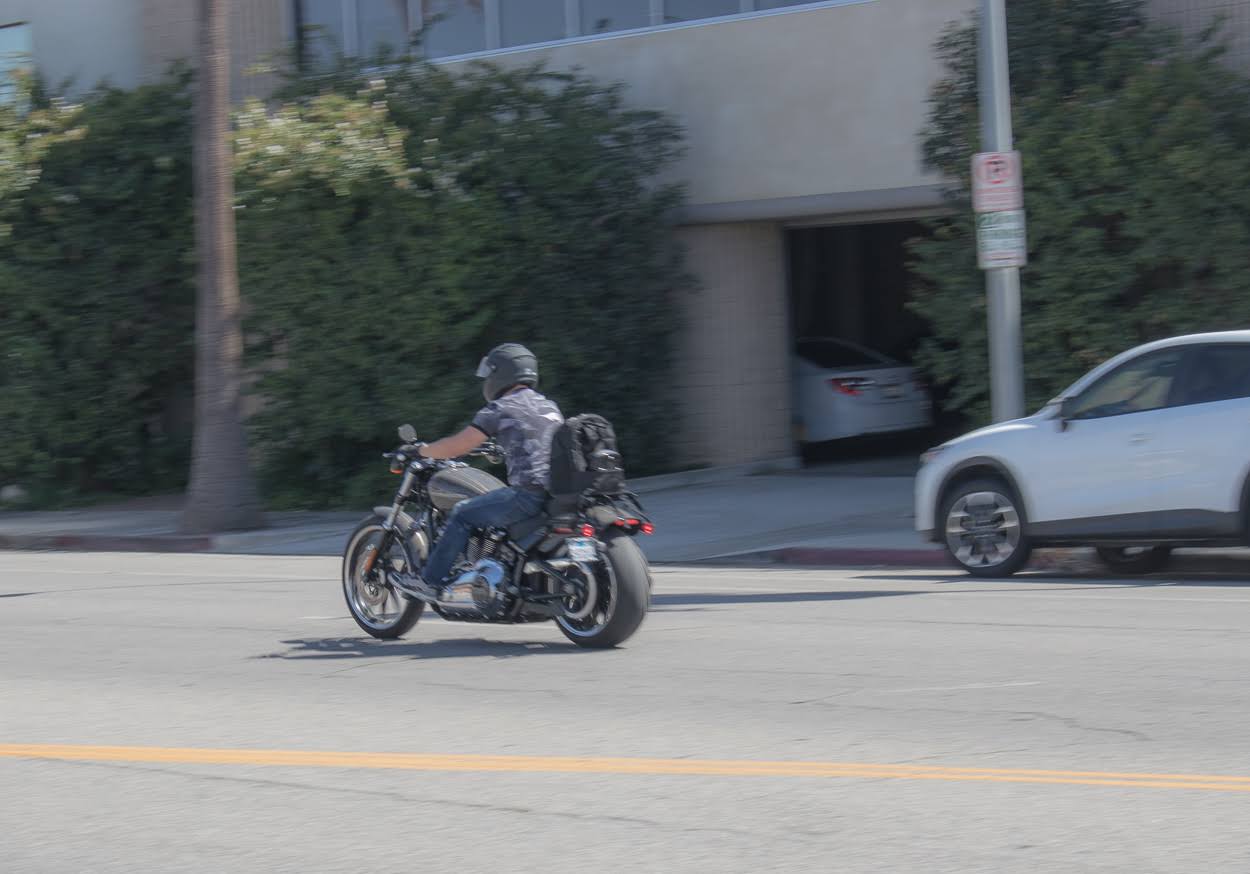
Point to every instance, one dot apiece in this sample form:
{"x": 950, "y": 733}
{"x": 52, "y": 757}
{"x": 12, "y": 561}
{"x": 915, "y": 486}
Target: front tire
{"x": 984, "y": 529}
{"x": 1126, "y": 560}
{"x": 377, "y": 607}
{"x": 622, "y": 599}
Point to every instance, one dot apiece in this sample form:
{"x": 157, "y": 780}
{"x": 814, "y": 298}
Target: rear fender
{"x": 613, "y": 514}
{"x": 606, "y": 521}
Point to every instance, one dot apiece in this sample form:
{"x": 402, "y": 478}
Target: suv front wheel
{"x": 983, "y": 528}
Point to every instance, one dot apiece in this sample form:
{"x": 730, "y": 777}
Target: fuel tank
{"x": 450, "y": 487}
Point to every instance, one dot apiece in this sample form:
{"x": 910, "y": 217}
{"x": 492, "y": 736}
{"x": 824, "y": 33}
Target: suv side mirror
{"x": 1064, "y": 416}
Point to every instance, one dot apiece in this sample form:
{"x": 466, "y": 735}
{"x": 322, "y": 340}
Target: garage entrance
{"x": 850, "y": 283}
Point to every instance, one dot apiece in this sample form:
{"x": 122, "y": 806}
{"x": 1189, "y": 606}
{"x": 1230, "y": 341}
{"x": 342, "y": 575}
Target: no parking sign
{"x": 996, "y": 182}
{"x": 998, "y": 200}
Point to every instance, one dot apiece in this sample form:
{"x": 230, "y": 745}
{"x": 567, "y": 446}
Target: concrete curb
{"x": 233, "y": 543}
{"x": 107, "y": 542}
{"x": 1063, "y": 562}
{"x": 238, "y": 543}
{"x": 1075, "y": 562}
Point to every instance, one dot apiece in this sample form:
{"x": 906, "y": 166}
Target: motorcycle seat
{"x": 520, "y": 531}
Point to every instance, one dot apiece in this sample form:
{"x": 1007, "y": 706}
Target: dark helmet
{"x": 505, "y": 366}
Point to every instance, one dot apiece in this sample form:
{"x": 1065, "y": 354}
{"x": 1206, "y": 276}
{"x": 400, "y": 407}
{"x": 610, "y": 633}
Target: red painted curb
{"x": 832, "y": 557}
{"x": 107, "y": 542}
{"x": 856, "y": 557}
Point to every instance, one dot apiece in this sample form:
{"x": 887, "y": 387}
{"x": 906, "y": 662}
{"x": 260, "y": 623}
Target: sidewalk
{"x": 749, "y": 517}
{"x": 826, "y": 517}
{"x": 756, "y": 517}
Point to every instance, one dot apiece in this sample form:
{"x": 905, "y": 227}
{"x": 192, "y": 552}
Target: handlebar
{"x": 409, "y": 452}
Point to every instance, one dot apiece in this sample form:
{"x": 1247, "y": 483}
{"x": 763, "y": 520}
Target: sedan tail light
{"x": 850, "y": 385}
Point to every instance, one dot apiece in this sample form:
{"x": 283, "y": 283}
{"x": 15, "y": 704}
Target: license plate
{"x": 582, "y": 550}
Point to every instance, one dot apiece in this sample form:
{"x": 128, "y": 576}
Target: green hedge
{"x": 390, "y": 230}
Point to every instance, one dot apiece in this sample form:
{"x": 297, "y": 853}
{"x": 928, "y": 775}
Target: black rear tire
{"x": 630, "y": 579}
{"x": 1120, "y": 560}
{"x": 984, "y": 529}
{"x": 368, "y": 596}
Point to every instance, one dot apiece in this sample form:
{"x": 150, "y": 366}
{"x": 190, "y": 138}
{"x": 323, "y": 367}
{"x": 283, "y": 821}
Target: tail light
{"x": 850, "y": 385}
{"x": 586, "y": 531}
{"x": 648, "y": 528}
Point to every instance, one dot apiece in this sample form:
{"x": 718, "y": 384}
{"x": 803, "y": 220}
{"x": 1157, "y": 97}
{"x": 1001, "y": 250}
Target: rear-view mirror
{"x": 407, "y": 433}
{"x": 1064, "y": 414}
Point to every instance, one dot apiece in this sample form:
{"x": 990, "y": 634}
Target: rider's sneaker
{"x": 415, "y": 586}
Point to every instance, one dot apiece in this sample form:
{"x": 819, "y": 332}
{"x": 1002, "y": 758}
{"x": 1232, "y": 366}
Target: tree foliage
{"x": 1136, "y": 148}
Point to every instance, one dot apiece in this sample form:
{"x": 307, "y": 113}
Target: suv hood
{"x": 992, "y": 431}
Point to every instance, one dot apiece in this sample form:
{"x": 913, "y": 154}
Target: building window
{"x": 16, "y": 54}
{"x": 693, "y": 10}
{"x": 606, "y": 16}
{"x": 524, "y": 22}
{"x": 354, "y": 27}
{"x": 382, "y": 25}
{"x": 453, "y": 27}
{"x": 447, "y": 28}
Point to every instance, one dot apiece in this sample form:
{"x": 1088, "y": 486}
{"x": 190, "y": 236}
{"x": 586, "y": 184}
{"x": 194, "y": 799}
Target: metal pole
{"x": 1002, "y": 284}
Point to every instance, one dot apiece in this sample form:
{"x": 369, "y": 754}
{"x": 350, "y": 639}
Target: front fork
{"x": 388, "y": 524}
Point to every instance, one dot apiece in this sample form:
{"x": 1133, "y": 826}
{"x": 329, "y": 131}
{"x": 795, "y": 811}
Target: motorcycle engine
{"x": 477, "y": 593}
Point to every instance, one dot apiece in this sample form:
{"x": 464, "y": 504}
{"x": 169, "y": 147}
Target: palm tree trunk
{"x": 222, "y": 495}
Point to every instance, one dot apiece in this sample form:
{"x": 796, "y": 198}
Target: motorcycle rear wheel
{"x": 623, "y": 595}
{"x": 379, "y": 609}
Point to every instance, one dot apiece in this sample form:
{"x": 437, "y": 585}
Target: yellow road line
{"x": 623, "y": 766}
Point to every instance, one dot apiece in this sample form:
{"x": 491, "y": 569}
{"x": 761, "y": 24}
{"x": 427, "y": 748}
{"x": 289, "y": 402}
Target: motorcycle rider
{"x": 522, "y": 422}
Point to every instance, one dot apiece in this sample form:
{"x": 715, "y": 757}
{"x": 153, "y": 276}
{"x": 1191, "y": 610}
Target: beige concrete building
{"x": 1193, "y": 16}
{"x": 804, "y": 166}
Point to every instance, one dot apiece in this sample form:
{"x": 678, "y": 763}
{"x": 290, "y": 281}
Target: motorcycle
{"x": 576, "y": 564}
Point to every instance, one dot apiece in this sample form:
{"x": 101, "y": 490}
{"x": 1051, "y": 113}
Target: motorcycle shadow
{"x": 347, "y": 648}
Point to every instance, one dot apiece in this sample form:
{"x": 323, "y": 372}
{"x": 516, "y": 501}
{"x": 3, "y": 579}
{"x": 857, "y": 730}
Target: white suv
{"x": 1148, "y": 452}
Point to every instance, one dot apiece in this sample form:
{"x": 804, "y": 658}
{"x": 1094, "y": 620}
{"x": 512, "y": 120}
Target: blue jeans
{"x": 497, "y": 509}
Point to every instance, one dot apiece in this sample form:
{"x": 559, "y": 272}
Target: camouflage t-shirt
{"x": 522, "y": 423}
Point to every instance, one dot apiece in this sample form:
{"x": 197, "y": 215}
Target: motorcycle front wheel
{"x": 620, "y": 596}
{"x": 378, "y": 608}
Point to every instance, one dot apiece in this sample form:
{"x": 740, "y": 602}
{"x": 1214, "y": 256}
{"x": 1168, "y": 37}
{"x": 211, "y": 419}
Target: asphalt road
{"x": 217, "y": 713}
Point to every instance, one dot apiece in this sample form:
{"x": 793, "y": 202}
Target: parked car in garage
{"x": 843, "y": 390}
{"x": 1146, "y": 453}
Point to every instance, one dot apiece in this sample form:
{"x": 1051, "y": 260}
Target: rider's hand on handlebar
{"x": 410, "y": 450}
